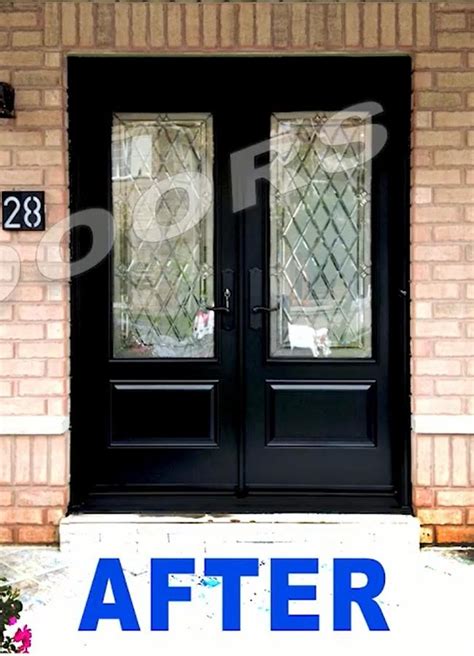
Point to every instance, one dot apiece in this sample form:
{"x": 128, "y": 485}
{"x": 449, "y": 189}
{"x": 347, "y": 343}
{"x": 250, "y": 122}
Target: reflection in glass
{"x": 163, "y": 254}
{"x": 320, "y": 235}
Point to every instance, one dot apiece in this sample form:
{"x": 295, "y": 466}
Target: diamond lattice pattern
{"x": 163, "y": 254}
{"x": 320, "y": 235}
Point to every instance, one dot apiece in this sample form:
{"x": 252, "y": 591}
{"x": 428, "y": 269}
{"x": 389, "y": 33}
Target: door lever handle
{"x": 263, "y": 308}
{"x": 222, "y": 308}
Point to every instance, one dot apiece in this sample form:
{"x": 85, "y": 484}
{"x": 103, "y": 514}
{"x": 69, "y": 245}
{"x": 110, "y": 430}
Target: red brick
{"x": 6, "y": 459}
{"x": 122, "y": 25}
{"x": 174, "y": 25}
{"x": 437, "y": 290}
{"x": 455, "y": 534}
{"x": 21, "y": 331}
{"x": 456, "y": 40}
{"x": 39, "y": 157}
{"x": 456, "y": 80}
{"x": 44, "y": 387}
{"x": 453, "y": 272}
{"x": 463, "y": 157}
{"x": 422, "y": 386}
{"x": 28, "y": 39}
{"x": 405, "y": 24}
{"x": 86, "y": 24}
{"x": 59, "y": 455}
{"x": 37, "y": 535}
{"x": 334, "y": 25}
{"x": 40, "y": 497}
{"x": 423, "y": 24}
{"x": 18, "y": 19}
{"x": 317, "y": 25}
{"x": 423, "y": 497}
{"x": 6, "y": 535}
{"x": 454, "y": 347}
{"x": 69, "y": 24}
{"x": 140, "y": 25}
{"x": 353, "y": 23}
{"x": 460, "y": 454}
{"x": 209, "y": 25}
{"x": 22, "y": 177}
{"x": 454, "y": 195}
{"x": 424, "y": 462}
{"x": 52, "y": 23}
{"x": 422, "y": 310}
{"x": 438, "y": 138}
{"x": 439, "y": 516}
{"x": 16, "y": 367}
{"x": 299, "y": 25}
{"x": 105, "y": 27}
{"x": 454, "y": 233}
{"x": 40, "y": 461}
{"x": 41, "y": 350}
{"x": 451, "y": 21}
{"x": 438, "y": 214}
{"x": 455, "y": 387}
{"x": 420, "y": 271}
{"x": 454, "y": 310}
{"x": 422, "y": 195}
{"x": 21, "y": 515}
{"x": 45, "y": 117}
{"x": 455, "y": 497}
{"x": 453, "y": 119}
{"x": 16, "y": 406}
{"x": 439, "y": 100}
{"x": 423, "y": 119}
{"x": 227, "y": 25}
{"x": 55, "y": 515}
{"x": 387, "y": 24}
{"x": 438, "y": 328}
{"x": 281, "y": 25}
{"x": 40, "y": 312}
{"x": 246, "y": 24}
{"x": 438, "y": 60}
{"x": 437, "y": 253}
{"x": 442, "y": 460}
{"x": 6, "y": 496}
{"x": 437, "y": 176}
{"x": 437, "y": 405}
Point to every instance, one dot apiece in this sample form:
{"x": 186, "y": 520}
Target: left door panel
{"x": 154, "y": 370}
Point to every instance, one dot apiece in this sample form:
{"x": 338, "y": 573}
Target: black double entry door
{"x": 243, "y": 344}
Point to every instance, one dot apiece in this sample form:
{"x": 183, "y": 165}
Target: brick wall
{"x": 35, "y": 38}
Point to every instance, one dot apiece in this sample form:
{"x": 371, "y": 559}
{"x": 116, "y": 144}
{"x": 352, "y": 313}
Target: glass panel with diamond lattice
{"x": 163, "y": 254}
{"x": 320, "y": 277}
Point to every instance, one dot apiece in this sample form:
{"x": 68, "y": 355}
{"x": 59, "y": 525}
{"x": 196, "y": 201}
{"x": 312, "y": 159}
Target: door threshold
{"x": 111, "y": 519}
{"x": 144, "y": 533}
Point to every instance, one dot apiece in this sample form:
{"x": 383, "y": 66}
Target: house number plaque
{"x": 23, "y": 210}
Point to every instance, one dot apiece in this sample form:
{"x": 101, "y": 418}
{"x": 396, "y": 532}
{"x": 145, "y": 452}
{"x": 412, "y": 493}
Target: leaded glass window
{"x": 320, "y": 259}
{"x": 162, "y": 194}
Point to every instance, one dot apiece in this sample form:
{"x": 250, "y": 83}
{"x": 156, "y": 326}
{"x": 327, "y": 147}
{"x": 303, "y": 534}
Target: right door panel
{"x": 327, "y": 399}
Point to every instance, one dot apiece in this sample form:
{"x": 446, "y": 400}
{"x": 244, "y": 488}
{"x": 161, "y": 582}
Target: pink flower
{"x": 12, "y": 620}
{"x": 24, "y": 636}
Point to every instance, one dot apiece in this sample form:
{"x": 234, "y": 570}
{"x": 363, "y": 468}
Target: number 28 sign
{"x": 23, "y": 210}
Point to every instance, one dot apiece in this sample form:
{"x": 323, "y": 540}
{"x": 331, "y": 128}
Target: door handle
{"x": 262, "y": 308}
{"x": 226, "y": 306}
{"x": 255, "y": 297}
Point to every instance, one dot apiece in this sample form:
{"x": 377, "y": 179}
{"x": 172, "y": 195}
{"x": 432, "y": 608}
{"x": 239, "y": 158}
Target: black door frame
{"x": 399, "y": 501}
